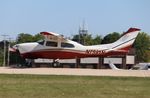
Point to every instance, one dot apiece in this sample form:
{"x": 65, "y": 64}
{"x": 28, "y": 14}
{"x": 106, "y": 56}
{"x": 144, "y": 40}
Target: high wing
{"x": 52, "y": 36}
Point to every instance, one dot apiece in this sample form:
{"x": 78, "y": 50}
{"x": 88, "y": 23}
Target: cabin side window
{"x": 52, "y": 44}
{"x": 67, "y": 45}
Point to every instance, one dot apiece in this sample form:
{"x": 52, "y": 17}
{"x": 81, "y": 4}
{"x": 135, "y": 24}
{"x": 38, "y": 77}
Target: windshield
{"x": 41, "y": 42}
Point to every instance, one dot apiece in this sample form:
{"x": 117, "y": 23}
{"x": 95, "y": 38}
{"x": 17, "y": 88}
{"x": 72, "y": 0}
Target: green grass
{"x": 39, "y": 86}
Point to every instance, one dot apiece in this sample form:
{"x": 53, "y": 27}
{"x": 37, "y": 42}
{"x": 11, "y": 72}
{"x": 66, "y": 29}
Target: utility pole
{"x": 8, "y": 55}
{"x": 4, "y": 58}
{"x": 79, "y": 41}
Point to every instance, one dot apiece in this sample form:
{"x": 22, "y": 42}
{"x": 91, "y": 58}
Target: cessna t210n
{"x": 55, "y": 46}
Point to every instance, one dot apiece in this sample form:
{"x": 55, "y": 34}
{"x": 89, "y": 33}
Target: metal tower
{"x": 82, "y": 33}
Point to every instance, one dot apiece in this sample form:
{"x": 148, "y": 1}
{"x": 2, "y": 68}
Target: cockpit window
{"x": 41, "y": 42}
{"x": 50, "y": 43}
{"x": 67, "y": 45}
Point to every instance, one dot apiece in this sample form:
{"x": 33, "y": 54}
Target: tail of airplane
{"x": 126, "y": 41}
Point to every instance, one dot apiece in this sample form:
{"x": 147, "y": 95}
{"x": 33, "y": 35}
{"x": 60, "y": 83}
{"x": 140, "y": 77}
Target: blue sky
{"x": 65, "y": 16}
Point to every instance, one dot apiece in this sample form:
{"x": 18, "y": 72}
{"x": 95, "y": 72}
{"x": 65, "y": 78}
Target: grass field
{"x": 39, "y": 86}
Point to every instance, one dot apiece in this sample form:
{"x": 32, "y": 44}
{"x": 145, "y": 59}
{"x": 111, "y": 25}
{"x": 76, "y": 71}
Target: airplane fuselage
{"x": 75, "y": 50}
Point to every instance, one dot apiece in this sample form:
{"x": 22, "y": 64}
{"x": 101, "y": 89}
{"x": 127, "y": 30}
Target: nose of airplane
{"x": 25, "y": 47}
{"x": 15, "y": 47}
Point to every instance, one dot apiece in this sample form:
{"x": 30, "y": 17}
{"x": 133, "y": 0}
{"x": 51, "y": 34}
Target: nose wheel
{"x": 56, "y": 63}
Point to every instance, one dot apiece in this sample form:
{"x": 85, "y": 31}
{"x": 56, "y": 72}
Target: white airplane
{"x": 140, "y": 66}
{"x": 55, "y": 46}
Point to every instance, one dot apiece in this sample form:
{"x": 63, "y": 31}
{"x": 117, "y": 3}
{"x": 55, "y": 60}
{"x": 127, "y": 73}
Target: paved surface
{"x": 75, "y": 71}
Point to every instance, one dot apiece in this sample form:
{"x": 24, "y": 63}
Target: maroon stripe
{"x": 131, "y": 30}
{"x": 68, "y": 55}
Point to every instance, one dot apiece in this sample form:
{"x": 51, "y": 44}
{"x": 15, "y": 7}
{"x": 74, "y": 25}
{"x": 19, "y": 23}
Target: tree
{"x": 76, "y": 38}
{"x": 142, "y": 47}
{"x": 24, "y": 37}
{"x": 87, "y": 39}
{"x": 112, "y": 37}
{"x": 84, "y": 39}
{"x": 37, "y": 37}
{"x": 97, "y": 40}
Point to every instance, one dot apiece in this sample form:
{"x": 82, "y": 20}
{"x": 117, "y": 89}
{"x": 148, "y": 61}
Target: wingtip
{"x": 49, "y": 33}
{"x": 45, "y": 33}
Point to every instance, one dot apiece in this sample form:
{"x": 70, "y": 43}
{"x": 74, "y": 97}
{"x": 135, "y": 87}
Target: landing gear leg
{"x": 29, "y": 62}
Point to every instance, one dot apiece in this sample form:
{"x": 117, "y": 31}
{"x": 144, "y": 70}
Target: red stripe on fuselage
{"x": 131, "y": 30}
{"x": 57, "y": 54}
{"x": 127, "y": 48}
